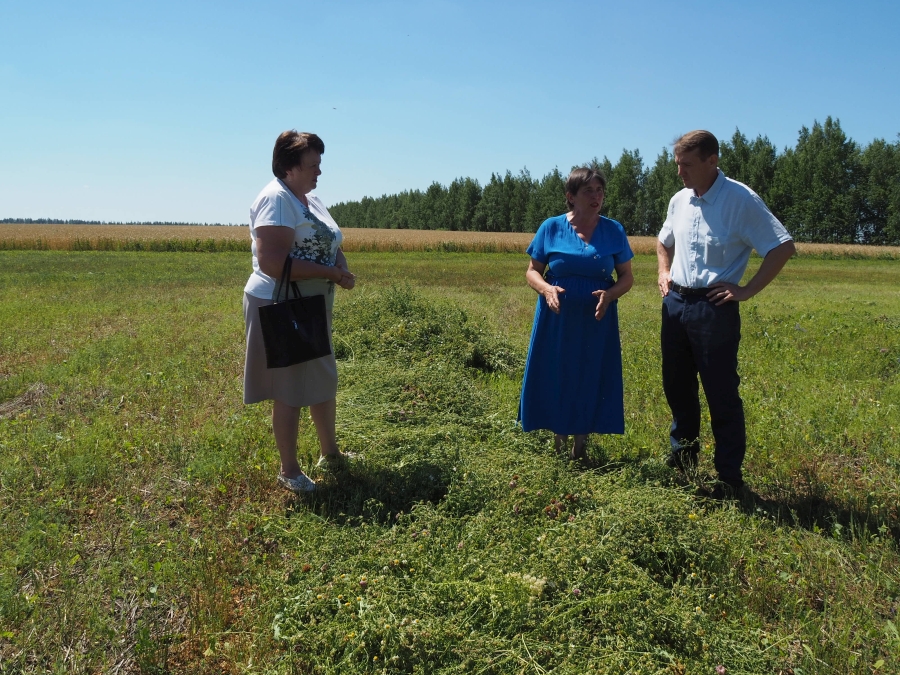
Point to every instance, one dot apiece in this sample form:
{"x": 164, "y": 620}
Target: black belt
{"x": 684, "y": 290}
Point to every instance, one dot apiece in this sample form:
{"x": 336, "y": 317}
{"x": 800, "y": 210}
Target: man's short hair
{"x": 289, "y": 149}
{"x": 580, "y": 177}
{"x": 700, "y": 140}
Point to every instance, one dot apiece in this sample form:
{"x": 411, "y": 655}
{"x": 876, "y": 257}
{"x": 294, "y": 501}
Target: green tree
{"x": 463, "y": 196}
{"x": 624, "y": 185}
{"x": 433, "y": 208}
{"x": 824, "y": 189}
{"x": 753, "y": 164}
{"x": 492, "y": 212}
{"x": 346, "y": 214}
{"x": 605, "y": 167}
{"x": 661, "y": 183}
{"x": 547, "y": 199}
{"x": 518, "y": 191}
{"x": 880, "y": 193}
{"x": 816, "y": 186}
{"x": 368, "y": 213}
{"x": 406, "y": 216}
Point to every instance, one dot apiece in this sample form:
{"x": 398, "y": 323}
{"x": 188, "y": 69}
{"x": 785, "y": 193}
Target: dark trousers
{"x": 699, "y": 337}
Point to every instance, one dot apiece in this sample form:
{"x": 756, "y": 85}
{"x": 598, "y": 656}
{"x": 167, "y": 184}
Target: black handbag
{"x": 294, "y": 329}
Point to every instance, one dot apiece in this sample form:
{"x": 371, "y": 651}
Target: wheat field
{"x": 236, "y": 238}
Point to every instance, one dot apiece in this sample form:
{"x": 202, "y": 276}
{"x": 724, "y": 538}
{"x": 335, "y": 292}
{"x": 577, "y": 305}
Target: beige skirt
{"x": 298, "y": 386}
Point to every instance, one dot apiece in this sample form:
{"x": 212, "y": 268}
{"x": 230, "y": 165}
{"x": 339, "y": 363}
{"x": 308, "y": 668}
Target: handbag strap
{"x": 285, "y": 281}
{"x": 285, "y": 278}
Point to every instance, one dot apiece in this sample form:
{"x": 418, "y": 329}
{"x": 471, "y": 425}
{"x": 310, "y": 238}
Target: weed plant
{"x": 143, "y": 530}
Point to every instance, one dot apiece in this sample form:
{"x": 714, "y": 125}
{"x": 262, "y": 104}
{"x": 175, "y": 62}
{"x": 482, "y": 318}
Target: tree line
{"x": 825, "y": 189}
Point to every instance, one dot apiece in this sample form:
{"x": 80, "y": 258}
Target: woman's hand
{"x": 342, "y": 277}
{"x": 534, "y": 275}
{"x": 551, "y": 297}
{"x": 347, "y": 280}
{"x": 624, "y": 282}
{"x": 603, "y": 302}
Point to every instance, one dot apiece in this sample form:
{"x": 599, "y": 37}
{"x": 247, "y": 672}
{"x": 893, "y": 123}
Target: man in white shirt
{"x": 711, "y": 228}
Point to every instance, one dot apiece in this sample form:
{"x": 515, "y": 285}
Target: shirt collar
{"x": 712, "y": 194}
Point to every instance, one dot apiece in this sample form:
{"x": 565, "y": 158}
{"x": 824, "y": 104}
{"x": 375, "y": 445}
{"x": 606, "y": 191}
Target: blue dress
{"x": 573, "y": 375}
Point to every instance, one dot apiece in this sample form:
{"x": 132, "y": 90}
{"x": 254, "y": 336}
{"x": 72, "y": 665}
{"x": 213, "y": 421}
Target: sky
{"x": 168, "y": 110}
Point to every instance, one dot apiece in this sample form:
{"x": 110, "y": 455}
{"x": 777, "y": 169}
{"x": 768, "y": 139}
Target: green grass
{"x": 143, "y": 530}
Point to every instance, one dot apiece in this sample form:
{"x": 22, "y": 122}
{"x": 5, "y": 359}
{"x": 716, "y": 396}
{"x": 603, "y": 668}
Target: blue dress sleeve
{"x": 624, "y": 254}
{"x": 537, "y": 249}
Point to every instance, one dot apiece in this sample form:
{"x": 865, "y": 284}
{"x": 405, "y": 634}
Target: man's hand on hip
{"x": 722, "y": 292}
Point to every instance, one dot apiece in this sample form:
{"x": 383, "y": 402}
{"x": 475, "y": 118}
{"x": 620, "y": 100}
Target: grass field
{"x": 143, "y": 531}
{"x": 198, "y": 238}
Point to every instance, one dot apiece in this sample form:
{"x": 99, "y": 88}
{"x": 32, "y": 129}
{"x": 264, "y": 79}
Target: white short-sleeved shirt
{"x": 316, "y": 236}
{"x": 714, "y": 234}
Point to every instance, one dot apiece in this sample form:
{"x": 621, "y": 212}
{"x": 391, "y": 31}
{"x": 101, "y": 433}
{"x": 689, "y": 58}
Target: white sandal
{"x": 298, "y": 484}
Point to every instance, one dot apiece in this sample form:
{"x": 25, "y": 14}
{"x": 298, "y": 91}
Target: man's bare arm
{"x": 664, "y": 255}
{"x": 771, "y": 265}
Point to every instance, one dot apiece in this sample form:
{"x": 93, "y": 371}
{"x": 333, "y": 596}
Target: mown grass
{"x": 143, "y": 530}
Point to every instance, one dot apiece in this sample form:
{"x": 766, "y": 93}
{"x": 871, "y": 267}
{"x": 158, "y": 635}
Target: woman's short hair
{"x": 289, "y": 149}
{"x": 701, "y": 140}
{"x": 580, "y": 177}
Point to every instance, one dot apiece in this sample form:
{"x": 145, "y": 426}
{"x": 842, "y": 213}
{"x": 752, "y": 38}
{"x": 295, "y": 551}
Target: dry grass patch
{"x": 32, "y": 398}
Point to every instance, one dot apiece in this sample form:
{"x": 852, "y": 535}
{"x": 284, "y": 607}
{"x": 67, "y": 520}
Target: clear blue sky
{"x": 162, "y": 110}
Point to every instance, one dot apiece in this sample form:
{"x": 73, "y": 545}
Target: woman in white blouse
{"x": 287, "y": 218}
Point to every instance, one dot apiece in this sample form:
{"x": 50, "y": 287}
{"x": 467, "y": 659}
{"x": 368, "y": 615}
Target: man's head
{"x": 697, "y": 158}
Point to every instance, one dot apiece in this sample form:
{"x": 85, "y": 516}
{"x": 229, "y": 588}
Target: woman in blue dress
{"x": 573, "y": 375}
